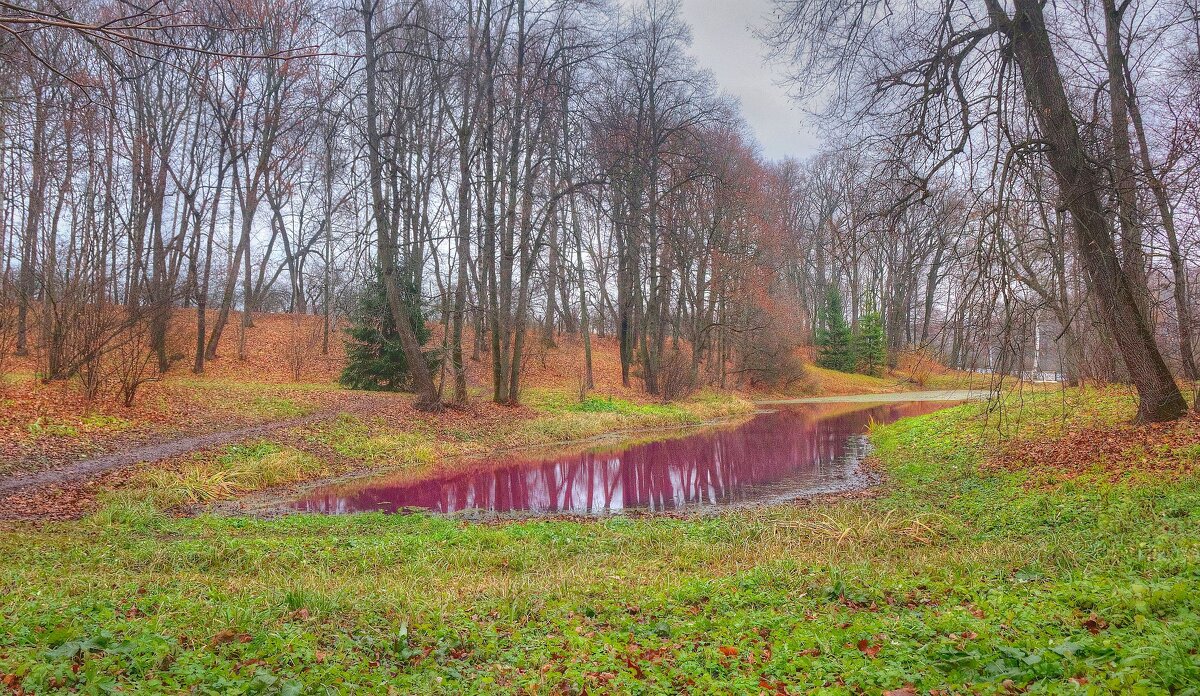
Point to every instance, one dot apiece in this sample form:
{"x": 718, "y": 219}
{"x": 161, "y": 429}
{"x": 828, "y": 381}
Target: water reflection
{"x": 791, "y": 451}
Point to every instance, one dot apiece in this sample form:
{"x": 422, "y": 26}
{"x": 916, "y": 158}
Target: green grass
{"x": 566, "y": 418}
{"x": 261, "y": 400}
{"x": 47, "y": 427}
{"x": 105, "y": 423}
{"x": 43, "y": 426}
{"x": 231, "y": 384}
{"x": 350, "y": 437}
{"x": 559, "y": 402}
{"x": 955, "y": 579}
{"x": 275, "y": 408}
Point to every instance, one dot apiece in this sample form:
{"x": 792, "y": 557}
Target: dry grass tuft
{"x": 240, "y": 469}
{"x": 858, "y": 526}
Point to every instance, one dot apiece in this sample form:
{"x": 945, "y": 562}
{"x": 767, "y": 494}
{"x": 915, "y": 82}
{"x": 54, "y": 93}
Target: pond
{"x": 791, "y": 451}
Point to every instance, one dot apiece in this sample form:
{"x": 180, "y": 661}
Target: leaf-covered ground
{"x": 44, "y": 425}
{"x": 960, "y": 578}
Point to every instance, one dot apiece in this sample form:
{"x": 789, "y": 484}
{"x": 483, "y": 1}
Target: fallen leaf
{"x": 867, "y": 649}
{"x": 728, "y": 651}
{"x": 1094, "y": 624}
{"x": 637, "y": 669}
{"x": 906, "y": 690}
{"x": 223, "y": 637}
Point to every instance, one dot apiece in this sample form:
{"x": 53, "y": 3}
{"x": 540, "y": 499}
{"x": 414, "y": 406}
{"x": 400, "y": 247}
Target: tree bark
{"x": 1133, "y": 257}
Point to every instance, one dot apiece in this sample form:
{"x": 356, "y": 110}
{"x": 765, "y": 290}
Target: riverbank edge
{"x": 324, "y": 453}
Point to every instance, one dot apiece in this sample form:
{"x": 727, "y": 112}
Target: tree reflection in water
{"x": 792, "y": 451}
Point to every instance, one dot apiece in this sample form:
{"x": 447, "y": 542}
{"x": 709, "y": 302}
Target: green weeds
{"x": 46, "y": 427}
{"x": 89, "y": 423}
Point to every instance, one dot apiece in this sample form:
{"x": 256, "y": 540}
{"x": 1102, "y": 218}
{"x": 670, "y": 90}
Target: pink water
{"x": 787, "y": 453}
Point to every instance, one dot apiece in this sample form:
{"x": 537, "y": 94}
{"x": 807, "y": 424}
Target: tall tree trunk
{"x": 585, "y": 329}
{"x": 427, "y": 394}
{"x": 214, "y": 340}
{"x": 327, "y": 285}
{"x": 931, "y": 280}
{"x": 1183, "y": 312}
{"x": 552, "y": 270}
{"x": 1133, "y": 257}
{"x": 463, "y": 252}
{"x": 247, "y": 288}
{"x": 1079, "y": 185}
{"x": 33, "y": 219}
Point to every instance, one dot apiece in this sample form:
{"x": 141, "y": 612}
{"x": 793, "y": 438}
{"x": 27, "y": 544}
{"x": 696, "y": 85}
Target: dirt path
{"x": 146, "y": 454}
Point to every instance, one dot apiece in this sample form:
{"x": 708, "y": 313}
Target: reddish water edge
{"x": 794, "y": 451}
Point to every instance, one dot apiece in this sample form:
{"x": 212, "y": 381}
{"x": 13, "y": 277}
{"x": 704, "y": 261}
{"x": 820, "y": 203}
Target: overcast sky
{"x": 724, "y": 43}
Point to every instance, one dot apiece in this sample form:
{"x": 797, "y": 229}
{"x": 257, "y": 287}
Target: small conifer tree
{"x": 834, "y": 342}
{"x": 375, "y": 361}
{"x": 870, "y": 346}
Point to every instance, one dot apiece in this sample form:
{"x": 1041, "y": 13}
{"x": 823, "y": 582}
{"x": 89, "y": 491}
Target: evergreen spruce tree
{"x": 870, "y": 346}
{"x": 375, "y": 360}
{"x": 834, "y": 344}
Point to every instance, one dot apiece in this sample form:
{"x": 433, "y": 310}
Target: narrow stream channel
{"x": 792, "y": 451}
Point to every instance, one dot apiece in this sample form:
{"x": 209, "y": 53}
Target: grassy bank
{"x": 964, "y": 576}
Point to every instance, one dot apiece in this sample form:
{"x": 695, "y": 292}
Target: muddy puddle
{"x": 792, "y": 451}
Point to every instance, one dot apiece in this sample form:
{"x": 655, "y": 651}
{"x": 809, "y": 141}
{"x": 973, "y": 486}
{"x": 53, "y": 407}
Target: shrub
{"x": 676, "y": 378}
{"x": 770, "y": 360}
{"x": 302, "y": 339}
{"x": 131, "y": 363}
{"x": 920, "y": 364}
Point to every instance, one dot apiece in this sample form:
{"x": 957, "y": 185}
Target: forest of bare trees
{"x": 1011, "y": 192}
{"x": 1036, "y": 110}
